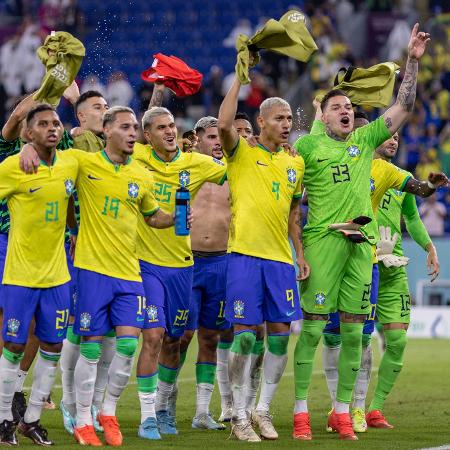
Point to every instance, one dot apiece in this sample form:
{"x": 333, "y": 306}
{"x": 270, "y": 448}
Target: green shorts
{"x": 341, "y": 276}
{"x": 394, "y": 302}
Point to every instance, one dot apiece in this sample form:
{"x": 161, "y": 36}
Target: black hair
{"x": 83, "y": 97}
{"x": 37, "y": 109}
{"x": 331, "y": 94}
{"x": 241, "y": 116}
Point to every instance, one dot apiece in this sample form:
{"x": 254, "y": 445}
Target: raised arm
{"x": 426, "y": 188}
{"x": 399, "y": 112}
{"x": 11, "y": 129}
{"x": 228, "y": 135}
{"x": 157, "y": 95}
{"x": 295, "y": 234}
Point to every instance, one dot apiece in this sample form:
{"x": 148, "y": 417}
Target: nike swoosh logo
{"x": 91, "y": 177}
{"x": 289, "y": 314}
{"x": 140, "y": 319}
{"x": 34, "y": 190}
{"x": 322, "y": 160}
{"x": 60, "y": 334}
{"x": 396, "y": 370}
{"x": 261, "y": 164}
{"x": 364, "y": 307}
{"x": 355, "y": 370}
{"x": 404, "y": 314}
{"x": 300, "y": 363}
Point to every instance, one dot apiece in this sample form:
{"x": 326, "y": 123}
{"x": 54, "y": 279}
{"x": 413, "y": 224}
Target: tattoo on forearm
{"x": 157, "y": 98}
{"x": 419, "y": 188}
{"x": 334, "y": 136}
{"x": 388, "y": 122}
{"x": 407, "y": 93}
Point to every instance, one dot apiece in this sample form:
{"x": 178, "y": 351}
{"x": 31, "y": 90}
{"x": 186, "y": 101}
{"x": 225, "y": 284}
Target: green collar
{"x": 43, "y": 163}
{"x": 105, "y": 155}
{"x": 155, "y": 155}
{"x": 279, "y": 149}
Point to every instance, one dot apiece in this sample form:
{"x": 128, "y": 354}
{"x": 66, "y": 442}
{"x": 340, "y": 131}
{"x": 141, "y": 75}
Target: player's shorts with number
{"x": 3, "y": 248}
{"x": 105, "y": 302}
{"x": 394, "y": 301}
{"x": 341, "y": 276}
{"x": 167, "y": 291}
{"x": 260, "y": 290}
{"x": 207, "y": 306}
{"x": 369, "y": 325}
{"x": 48, "y": 306}
{"x": 73, "y": 280}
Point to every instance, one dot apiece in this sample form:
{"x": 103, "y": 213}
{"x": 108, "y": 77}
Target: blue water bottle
{"x": 182, "y": 207}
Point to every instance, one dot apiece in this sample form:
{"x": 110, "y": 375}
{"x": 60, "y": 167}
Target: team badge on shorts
{"x": 291, "y": 175}
{"x": 85, "y": 321}
{"x": 152, "y": 313}
{"x": 238, "y": 309}
{"x": 69, "y": 185}
{"x": 12, "y": 327}
{"x": 372, "y": 185}
{"x": 320, "y": 300}
{"x": 133, "y": 190}
{"x": 184, "y": 176}
{"x": 353, "y": 151}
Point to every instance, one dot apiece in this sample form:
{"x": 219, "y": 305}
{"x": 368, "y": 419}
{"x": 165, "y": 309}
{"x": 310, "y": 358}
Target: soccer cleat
{"x": 48, "y": 404}
{"x": 19, "y": 406}
{"x": 264, "y": 421}
{"x": 94, "y": 413}
{"x": 68, "y": 420}
{"x": 226, "y": 414}
{"x": 36, "y": 432}
{"x": 8, "y": 433}
{"x": 111, "y": 430}
{"x": 302, "y": 427}
{"x": 206, "y": 422}
{"x": 358, "y": 420}
{"x": 149, "y": 429}
{"x": 342, "y": 423}
{"x": 375, "y": 419}
{"x": 242, "y": 430}
{"x": 166, "y": 423}
{"x": 328, "y": 428}
{"x": 86, "y": 436}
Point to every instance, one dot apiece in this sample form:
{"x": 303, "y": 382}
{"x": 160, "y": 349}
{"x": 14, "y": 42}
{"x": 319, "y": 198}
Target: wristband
{"x": 431, "y": 185}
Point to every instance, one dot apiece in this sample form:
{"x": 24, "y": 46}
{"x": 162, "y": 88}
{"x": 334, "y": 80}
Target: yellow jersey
{"x": 38, "y": 207}
{"x": 112, "y": 197}
{"x": 262, "y": 186}
{"x": 161, "y": 246}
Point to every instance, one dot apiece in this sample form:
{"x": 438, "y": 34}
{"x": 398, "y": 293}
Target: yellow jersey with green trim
{"x": 191, "y": 170}
{"x": 112, "y": 197}
{"x": 38, "y": 207}
{"x": 262, "y": 187}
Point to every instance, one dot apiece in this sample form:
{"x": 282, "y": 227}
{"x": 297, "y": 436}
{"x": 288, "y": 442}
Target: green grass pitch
{"x": 419, "y": 407}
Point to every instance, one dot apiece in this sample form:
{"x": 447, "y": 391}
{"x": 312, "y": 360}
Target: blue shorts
{"x": 207, "y": 306}
{"x": 73, "y": 280}
{"x": 49, "y": 307}
{"x": 167, "y": 291}
{"x": 260, "y": 290}
{"x": 3, "y": 248}
{"x": 105, "y": 302}
{"x": 369, "y": 325}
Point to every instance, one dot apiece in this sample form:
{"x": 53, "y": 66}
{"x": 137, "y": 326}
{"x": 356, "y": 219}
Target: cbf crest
{"x": 69, "y": 185}
{"x": 320, "y": 300}
{"x": 184, "y": 177}
{"x": 133, "y": 190}
{"x": 85, "y": 321}
{"x": 354, "y": 151}
{"x": 238, "y": 307}
{"x": 152, "y": 313}
{"x": 291, "y": 175}
{"x": 13, "y": 327}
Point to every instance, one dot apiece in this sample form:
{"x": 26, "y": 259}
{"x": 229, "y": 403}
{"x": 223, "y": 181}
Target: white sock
{"x": 43, "y": 378}
{"x": 107, "y": 355}
{"x": 162, "y": 395}
{"x": 239, "y": 366}
{"x": 223, "y": 379}
{"x": 118, "y": 376}
{"x": 85, "y": 374}
{"x": 254, "y": 380}
{"x": 330, "y": 356}
{"x": 363, "y": 380}
{"x": 147, "y": 400}
{"x": 21, "y": 375}
{"x": 273, "y": 370}
{"x": 8, "y": 377}
{"x": 301, "y": 406}
{"x": 204, "y": 394}
{"x": 341, "y": 407}
{"x": 69, "y": 357}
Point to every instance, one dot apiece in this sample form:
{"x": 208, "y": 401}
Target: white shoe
{"x": 264, "y": 421}
{"x": 226, "y": 414}
{"x": 242, "y": 430}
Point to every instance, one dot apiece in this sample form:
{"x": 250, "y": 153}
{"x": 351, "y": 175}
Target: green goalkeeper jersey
{"x": 337, "y": 178}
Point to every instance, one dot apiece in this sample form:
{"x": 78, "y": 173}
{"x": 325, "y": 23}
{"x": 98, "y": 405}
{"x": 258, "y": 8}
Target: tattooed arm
{"x": 295, "y": 234}
{"x": 157, "y": 95}
{"x": 398, "y": 113}
{"x": 423, "y": 188}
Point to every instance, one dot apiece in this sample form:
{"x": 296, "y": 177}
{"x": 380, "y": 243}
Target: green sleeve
{"x": 9, "y": 148}
{"x": 414, "y": 225}
{"x": 318, "y": 127}
{"x": 66, "y": 141}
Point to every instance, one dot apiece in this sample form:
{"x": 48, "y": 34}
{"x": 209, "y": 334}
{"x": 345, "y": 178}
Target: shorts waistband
{"x": 200, "y": 254}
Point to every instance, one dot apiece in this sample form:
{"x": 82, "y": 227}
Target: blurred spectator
{"x": 433, "y": 214}
{"x": 243, "y": 26}
{"x": 72, "y": 18}
{"x": 92, "y": 83}
{"x": 428, "y": 163}
{"x": 10, "y": 62}
{"x": 398, "y": 40}
{"x": 119, "y": 90}
{"x": 213, "y": 90}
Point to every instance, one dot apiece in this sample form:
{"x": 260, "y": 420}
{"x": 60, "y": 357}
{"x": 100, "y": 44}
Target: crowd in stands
{"x": 347, "y": 32}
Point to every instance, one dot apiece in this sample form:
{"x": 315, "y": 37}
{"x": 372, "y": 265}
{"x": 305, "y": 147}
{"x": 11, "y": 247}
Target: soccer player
{"x": 337, "y": 174}
{"x": 36, "y": 276}
{"x": 166, "y": 263}
{"x": 265, "y": 186}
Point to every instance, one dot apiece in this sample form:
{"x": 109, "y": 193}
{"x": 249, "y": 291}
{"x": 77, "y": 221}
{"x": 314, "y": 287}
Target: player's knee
{"x": 126, "y": 346}
{"x": 13, "y": 352}
{"x": 366, "y": 339}
{"x": 186, "y": 339}
{"x": 332, "y": 340}
{"x": 312, "y": 332}
{"x": 91, "y": 350}
{"x": 244, "y": 342}
{"x": 277, "y": 344}
{"x": 396, "y": 341}
{"x": 52, "y": 348}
